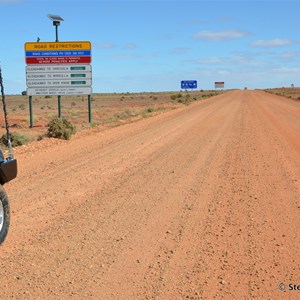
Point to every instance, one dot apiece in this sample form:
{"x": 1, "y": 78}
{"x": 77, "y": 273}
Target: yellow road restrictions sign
{"x": 40, "y": 46}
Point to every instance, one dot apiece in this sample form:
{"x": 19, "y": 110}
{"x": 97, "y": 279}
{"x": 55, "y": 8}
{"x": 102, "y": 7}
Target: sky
{"x": 150, "y": 46}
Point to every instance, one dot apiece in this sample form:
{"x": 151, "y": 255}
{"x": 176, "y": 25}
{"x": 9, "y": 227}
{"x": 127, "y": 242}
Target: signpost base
{"x": 59, "y": 106}
{"x": 90, "y": 108}
{"x": 30, "y": 111}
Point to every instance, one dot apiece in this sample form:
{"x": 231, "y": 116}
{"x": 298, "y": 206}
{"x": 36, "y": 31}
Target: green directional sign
{"x": 58, "y": 76}
{"x": 78, "y": 68}
{"x": 78, "y": 75}
{"x": 78, "y": 82}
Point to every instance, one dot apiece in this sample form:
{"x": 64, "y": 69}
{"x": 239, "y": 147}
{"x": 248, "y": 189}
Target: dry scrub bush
{"x": 61, "y": 129}
{"x": 16, "y": 139}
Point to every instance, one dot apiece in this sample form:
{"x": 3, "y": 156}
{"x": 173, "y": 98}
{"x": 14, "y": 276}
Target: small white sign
{"x": 219, "y": 85}
{"x": 59, "y": 91}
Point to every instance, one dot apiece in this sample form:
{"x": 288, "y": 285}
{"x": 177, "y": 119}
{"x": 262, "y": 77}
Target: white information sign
{"x": 55, "y": 76}
{"x": 59, "y": 83}
{"x": 58, "y": 68}
{"x": 59, "y": 91}
{"x": 219, "y": 84}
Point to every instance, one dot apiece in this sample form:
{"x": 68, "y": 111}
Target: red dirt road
{"x": 202, "y": 202}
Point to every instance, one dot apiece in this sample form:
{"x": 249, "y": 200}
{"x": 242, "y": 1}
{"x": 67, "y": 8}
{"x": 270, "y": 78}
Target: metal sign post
{"x": 56, "y": 22}
{"x": 30, "y": 112}
{"x": 90, "y": 108}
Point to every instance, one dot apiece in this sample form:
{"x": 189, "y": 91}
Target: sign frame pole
{"x": 59, "y": 106}
{"x": 56, "y": 24}
{"x": 90, "y": 108}
{"x": 30, "y": 112}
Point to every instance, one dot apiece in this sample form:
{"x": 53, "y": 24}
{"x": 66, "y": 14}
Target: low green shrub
{"x": 176, "y": 96}
{"x": 16, "y": 139}
{"x": 150, "y": 109}
{"x": 61, "y": 129}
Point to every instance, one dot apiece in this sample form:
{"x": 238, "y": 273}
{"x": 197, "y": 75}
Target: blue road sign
{"x": 189, "y": 84}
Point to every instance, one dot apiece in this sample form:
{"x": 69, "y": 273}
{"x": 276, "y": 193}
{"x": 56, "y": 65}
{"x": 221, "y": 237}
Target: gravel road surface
{"x": 202, "y": 202}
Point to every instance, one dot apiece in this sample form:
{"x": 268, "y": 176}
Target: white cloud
{"x": 179, "y": 50}
{"x": 196, "y": 22}
{"x": 125, "y": 56}
{"x": 105, "y": 45}
{"x": 288, "y": 56}
{"x": 236, "y": 60}
{"x": 288, "y": 70}
{"x": 272, "y": 43}
{"x": 248, "y": 60}
{"x": 109, "y": 45}
{"x": 130, "y": 46}
{"x": 210, "y": 61}
{"x": 10, "y": 1}
{"x": 167, "y": 37}
{"x": 220, "y": 35}
{"x": 150, "y": 55}
{"x": 226, "y": 19}
{"x": 223, "y": 72}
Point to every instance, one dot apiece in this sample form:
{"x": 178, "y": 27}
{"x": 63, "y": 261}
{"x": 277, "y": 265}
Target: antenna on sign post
{"x": 56, "y": 22}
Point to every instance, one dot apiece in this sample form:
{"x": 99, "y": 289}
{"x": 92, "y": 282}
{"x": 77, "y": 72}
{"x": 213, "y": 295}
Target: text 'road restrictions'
{"x": 48, "y": 46}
